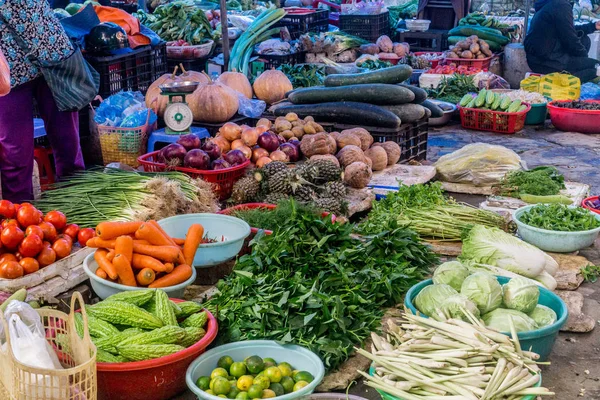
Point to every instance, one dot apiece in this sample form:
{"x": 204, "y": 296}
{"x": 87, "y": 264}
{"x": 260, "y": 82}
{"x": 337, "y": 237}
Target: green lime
{"x": 287, "y": 383}
{"x": 263, "y": 381}
{"x": 274, "y": 374}
{"x": 269, "y": 362}
{"x": 268, "y": 394}
{"x": 221, "y": 386}
{"x": 233, "y": 392}
{"x": 203, "y": 382}
{"x": 209, "y": 391}
{"x": 261, "y": 373}
{"x": 222, "y": 372}
{"x": 242, "y": 396}
{"x": 225, "y": 362}
{"x": 285, "y": 368}
{"x": 244, "y": 382}
{"x": 222, "y": 396}
{"x": 237, "y": 369}
{"x": 233, "y": 382}
{"x": 277, "y": 388}
{"x": 303, "y": 376}
{"x": 255, "y": 364}
{"x": 299, "y": 385}
{"x": 255, "y": 392}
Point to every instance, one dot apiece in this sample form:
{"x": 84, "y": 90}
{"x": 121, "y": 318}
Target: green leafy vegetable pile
{"x": 304, "y": 75}
{"x": 272, "y": 219}
{"x": 426, "y": 210}
{"x": 453, "y": 88}
{"x": 559, "y": 217}
{"x": 540, "y": 181}
{"x": 314, "y": 284}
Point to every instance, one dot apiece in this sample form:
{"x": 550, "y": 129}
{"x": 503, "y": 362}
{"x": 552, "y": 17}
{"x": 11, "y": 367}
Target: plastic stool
{"x": 160, "y": 136}
{"x": 42, "y": 157}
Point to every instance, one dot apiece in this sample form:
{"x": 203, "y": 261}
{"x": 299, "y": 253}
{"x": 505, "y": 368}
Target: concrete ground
{"x": 574, "y": 372}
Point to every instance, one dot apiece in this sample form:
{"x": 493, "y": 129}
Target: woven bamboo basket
{"x": 77, "y": 381}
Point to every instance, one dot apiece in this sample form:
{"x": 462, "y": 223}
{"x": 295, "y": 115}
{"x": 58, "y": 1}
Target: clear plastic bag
{"x": 478, "y": 164}
{"x": 25, "y": 312}
{"x": 590, "y": 91}
{"x": 488, "y": 80}
{"x": 250, "y": 108}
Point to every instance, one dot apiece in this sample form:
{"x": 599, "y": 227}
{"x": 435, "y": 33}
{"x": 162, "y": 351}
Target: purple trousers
{"x": 16, "y": 138}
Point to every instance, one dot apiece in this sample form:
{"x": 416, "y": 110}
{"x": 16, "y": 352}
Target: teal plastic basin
{"x": 537, "y": 114}
{"x": 555, "y": 241}
{"x": 539, "y": 341}
{"x": 299, "y": 358}
{"x": 216, "y": 226}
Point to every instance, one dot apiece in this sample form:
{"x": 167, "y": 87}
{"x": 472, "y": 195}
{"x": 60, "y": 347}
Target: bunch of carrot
{"x": 142, "y": 254}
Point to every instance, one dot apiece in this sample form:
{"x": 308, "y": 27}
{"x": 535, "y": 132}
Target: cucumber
{"x": 558, "y": 198}
{"x": 490, "y": 97}
{"x": 480, "y": 99}
{"x": 395, "y": 74}
{"x": 505, "y": 103}
{"x": 455, "y": 39}
{"x": 408, "y": 112}
{"x": 376, "y": 93}
{"x": 481, "y": 32}
{"x": 427, "y": 113}
{"x": 466, "y": 99}
{"x": 496, "y": 103}
{"x": 436, "y": 111}
{"x": 347, "y": 112}
{"x": 420, "y": 94}
{"x": 514, "y": 106}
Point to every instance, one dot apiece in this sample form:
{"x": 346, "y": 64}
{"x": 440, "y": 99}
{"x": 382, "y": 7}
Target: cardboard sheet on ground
{"x": 388, "y": 180}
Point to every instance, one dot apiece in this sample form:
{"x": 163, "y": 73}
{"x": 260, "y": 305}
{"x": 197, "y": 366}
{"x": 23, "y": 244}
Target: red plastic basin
{"x": 158, "y": 379}
{"x": 569, "y": 119}
{"x": 586, "y": 203}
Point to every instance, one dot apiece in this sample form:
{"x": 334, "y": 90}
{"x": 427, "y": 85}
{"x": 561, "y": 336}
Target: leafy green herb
{"x": 452, "y": 89}
{"x": 560, "y": 217}
{"x": 272, "y": 219}
{"x": 304, "y": 75}
{"x": 590, "y": 273}
{"x": 374, "y": 64}
{"x": 314, "y": 284}
{"x": 540, "y": 181}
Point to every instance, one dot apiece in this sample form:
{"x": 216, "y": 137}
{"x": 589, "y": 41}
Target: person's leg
{"x": 16, "y": 143}
{"x": 62, "y": 129}
{"x": 583, "y": 67}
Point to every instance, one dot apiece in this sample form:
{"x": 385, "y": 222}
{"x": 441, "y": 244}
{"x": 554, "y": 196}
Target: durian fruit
{"x": 328, "y": 171}
{"x": 337, "y": 206}
{"x": 335, "y": 189}
{"x": 305, "y": 194}
{"x": 245, "y": 190}
{"x": 274, "y": 198}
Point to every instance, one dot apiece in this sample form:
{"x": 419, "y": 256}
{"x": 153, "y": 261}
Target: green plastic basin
{"x": 555, "y": 241}
{"x": 539, "y": 341}
{"x": 299, "y": 358}
{"x": 537, "y": 114}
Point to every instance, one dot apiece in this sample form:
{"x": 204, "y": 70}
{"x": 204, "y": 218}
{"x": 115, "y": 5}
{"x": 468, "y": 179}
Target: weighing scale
{"x": 178, "y": 115}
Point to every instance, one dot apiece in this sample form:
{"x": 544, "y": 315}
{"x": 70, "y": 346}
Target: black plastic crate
{"x": 431, "y": 40}
{"x": 160, "y": 63}
{"x": 368, "y": 27}
{"x": 275, "y": 60}
{"x": 198, "y": 64}
{"x": 299, "y": 24}
{"x": 131, "y": 71}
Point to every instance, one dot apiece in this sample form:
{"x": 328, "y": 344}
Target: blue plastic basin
{"x": 216, "y": 226}
{"x": 299, "y": 358}
{"x": 539, "y": 341}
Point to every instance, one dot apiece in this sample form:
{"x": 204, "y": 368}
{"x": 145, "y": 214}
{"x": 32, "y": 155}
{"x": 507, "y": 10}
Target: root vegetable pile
{"x": 472, "y": 48}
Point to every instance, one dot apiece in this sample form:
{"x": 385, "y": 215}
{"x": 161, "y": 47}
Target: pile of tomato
{"x": 30, "y": 240}
{"x": 452, "y": 69}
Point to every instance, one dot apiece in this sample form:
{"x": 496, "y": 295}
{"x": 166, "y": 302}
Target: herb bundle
{"x": 453, "y": 88}
{"x": 272, "y": 219}
{"x": 559, "y": 217}
{"x": 540, "y": 181}
{"x": 314, "y": 284}
{"x": 304, "y": 75}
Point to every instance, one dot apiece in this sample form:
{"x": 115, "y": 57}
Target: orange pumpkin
{"x": 271, "y": 86}
{"x": 236, "y": 81}
{"x": 213, "y": 102}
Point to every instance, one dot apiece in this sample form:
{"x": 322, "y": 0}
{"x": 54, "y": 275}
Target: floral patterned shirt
{"x": 34, "y": 22}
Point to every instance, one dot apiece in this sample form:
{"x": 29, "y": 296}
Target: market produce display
{"x": 271, "y": 86}
{"x": 385, "y": 49}
{"x": 453, "y": 88}
{"x": 526, "y": 97}
{"x": 452, "y": 69}
{"x": 488, "y": 39}
{"x": 426, "y": 210}
{"x": 543, "y": 181}
{"x": 326, "y": 294}
{"x": 478, "y": 18}
{"x": 30, "y": 240}
{"x": 142, "y": 325}
{"x": 304, "y": 75}
{"x": 253, "y": 378}
{"x": 453, "y": 359}
{"x": 560, "y": 217}
{"x": 578, "y": 105}
{"x": 472, "y": 47}
{"x": 337, "y": 46}
{"x": 263, "y": 218}
{"x": 489, "y": 100}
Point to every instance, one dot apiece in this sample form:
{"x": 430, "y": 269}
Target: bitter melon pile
{"x": 142, "y": 325}
{"x": 489, "y": 100}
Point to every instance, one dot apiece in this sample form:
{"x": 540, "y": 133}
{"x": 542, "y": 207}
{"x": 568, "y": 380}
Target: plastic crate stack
{"x": 368, "y": 27}
{"x": 301, "y": 21}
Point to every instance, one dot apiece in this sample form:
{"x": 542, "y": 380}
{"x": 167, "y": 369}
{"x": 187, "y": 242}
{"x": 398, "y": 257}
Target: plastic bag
{"x": 590, "y": 91}
{"x": 124, "y": 109}
{"x": 27, "y": 314}
{"x": 555, "y": 86}
{"x": 250, "y": 108}
{"x": 479, "y": 164}
{"x": 4, "y": 75}
{"x": 488, "y": 80}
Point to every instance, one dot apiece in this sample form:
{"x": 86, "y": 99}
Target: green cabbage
{"x": 453, "y": 307}
{"x": 543, "y": 316}
{"x": 451, "y": 273}
{"x": 499, "y": 320}
{"x": 431, "y": 298}
{"x": 521, "y": 294}
{"x": 484, "y": 290}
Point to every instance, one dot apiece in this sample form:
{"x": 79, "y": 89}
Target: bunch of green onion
{"x": 424, "y": 359}
{"x": 257, "y": 32}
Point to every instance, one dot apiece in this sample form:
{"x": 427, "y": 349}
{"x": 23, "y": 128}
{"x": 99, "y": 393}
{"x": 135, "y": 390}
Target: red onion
{"x": 235, "y": 157}
{"x": 219, "y": 163}
{"x": 291, "y": 150}
{"x": 294, "y": 141}
{"x": 174, "y": 154}
{"x": 189, "y": 141}
{"x": 212, "y": 149}
{"x": 268, "y": 141}
{"x": 197, "y": 159}
{"x": 281, "y": 139}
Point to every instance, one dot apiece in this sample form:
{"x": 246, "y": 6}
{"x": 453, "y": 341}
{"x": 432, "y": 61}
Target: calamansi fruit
{"x": 274, "y": 374}
{"x": 285, "y": 368}
{"x": 209, "y": 391}
{"x": 303, "y": 376}
{"x": 221, "y": 386}
{"x": 287, "y": 383}
{"x": 255, "y": 392}
{"x": 255, "y": 364}
{"x": 268, "y": 394}
{"x": 222, "y": 372}
{"x": 222, "y": 396}
{"x": 233, "y": 393}
{"x": 203, "y": 383}
{"x": 263, "y": 381}
{"x": 277, "y": 388}
{"x": 225, "y": 362}
{"x": 242, "y": 396}
{"x": 237, "y": 369}
{"x": 299, "y": 385}
{"x": 269, "y": 362}
{"x": 244, "y": 382}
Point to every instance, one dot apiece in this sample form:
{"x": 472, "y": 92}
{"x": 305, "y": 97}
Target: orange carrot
{"x": 96, "y": 243}
{"x": 163, "y": 253}
{"x": 112, "y": 230}
{"x": 169, "y": 267}
{"x": 145, "y": 277}
{"x": 100, "y": 273}
{"x": 192, "y": 241}
{"x": 124, "y": 246}
{"x": 180, "y": 274}
{"x": 141, "y": 261}
{"x": 107, "y": 266}
{"x": 111, "y": 255}
{"x": 178, "y": 242}
{"x": 167, "y": 238}
{"x": 124, "y": 270}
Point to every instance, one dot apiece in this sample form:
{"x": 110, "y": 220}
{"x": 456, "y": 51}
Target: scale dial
{"x": 178, "y": 117}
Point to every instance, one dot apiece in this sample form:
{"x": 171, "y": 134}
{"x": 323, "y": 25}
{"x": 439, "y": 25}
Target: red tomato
{"x": 46, "y": 257}
{"x": 72, "y": 230}
{"x": 84, "y": 235}
{"x": 28, "y": 215}
{"x": 62, "y": 248}
{"x": 65, "y": 237}
{"x": 11, "y": 270}
{"x": 31, "y": 246}
{"x": 7, "y": 209}
{"x": 34, "y": 230}
{"x": 49, "y": 231}
{"x": 8, "y": 222}
{"x": 6, "y": 257}
{"x": 11, "y": 236}
{"x": 29, "y": 265}
{"x": 56, "y": 218}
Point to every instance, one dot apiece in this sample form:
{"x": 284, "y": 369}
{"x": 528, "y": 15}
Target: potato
{"x": 298, "y": 131}
{"x": 480, "y": 56}
{"x": 281, "y": 126}
{"x": 452, "y": 55}
{"x": 287, "y": 135}
{"x": 466, "y": 54}
{"x": 474, "y": 38}
{"x": 463, "y": 44}
{"x": 474, "y": 48}
{"x": 291, "y": 117}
